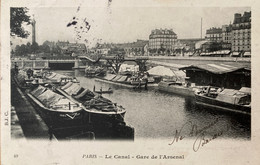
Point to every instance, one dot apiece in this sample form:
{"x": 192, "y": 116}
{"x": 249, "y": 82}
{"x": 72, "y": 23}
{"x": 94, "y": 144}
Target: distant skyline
{"x": 125, "y": 24}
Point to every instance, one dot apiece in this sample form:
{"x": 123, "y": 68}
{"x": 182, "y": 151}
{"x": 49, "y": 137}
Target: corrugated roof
{"x": 216, "y": 68}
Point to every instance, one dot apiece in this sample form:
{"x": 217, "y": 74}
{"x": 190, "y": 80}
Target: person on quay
{"x": 29, "y": 73}
{"x": 15, "y": 68}
{"x": 145, "y": 78}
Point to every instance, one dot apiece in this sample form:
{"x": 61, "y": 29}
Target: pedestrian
{"x": 15, "y": 68}
{"x": 29, "y": 73}
{"x": 101, "y": 91}
{"x": 31, "y": 70}
{"x": 145, "y": 78}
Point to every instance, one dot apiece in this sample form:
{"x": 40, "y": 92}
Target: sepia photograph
{"x": 110, "y": 73}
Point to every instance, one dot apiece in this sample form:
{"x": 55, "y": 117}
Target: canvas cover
{"x": 51, "y": 75}
{"x": 58, "y": 77}
{"x": 64, "y": 101}
{"x": 73, "y": 89}
{"x": 116, "y": 78}
{"x": 38, "y": 91}
{"x": 131, "y": 68}
{"x": 122, "y": 79}
{"x": 49, "y": 98}
{"x": 161, "y": 71}
{"x": 66, "y": 85}
{"x": 81, "y": 94}
{"x": 230, "y": 96}
{"x": 109, "y": 76}
{"x": 245, "y": 90}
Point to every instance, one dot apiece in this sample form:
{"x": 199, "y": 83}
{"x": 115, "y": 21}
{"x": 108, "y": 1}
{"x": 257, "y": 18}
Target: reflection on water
{"x": 154, "y": 114}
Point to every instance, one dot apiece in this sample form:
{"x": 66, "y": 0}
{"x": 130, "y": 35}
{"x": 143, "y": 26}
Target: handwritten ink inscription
{"x": 201, "y": 134}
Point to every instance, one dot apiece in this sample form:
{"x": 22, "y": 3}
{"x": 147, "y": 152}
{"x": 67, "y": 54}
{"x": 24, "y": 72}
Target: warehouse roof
{"x": 217, "y": 68}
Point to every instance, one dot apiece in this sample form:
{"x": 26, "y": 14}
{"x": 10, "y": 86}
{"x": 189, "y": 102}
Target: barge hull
{"x": 176, "y": 90}
{"x": 215, "y": 104}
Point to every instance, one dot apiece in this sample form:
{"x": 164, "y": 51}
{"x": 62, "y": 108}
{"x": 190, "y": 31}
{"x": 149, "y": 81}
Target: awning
{"x": 245, "y": 90}
{"x": 216, "y": 68}
{"x": 236, "y": 54}
{"x": 247, "y": 54}
{"x": 161, "y": 71}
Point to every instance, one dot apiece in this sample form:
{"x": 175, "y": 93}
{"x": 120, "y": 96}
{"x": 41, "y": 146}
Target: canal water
{"x": 155, "y": 114}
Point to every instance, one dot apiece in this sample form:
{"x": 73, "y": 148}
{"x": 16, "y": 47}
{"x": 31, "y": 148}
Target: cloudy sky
{"x": 110, "y": 23}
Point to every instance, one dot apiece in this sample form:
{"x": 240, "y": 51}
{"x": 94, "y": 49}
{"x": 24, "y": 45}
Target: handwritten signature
{"x": 200, "y": 134}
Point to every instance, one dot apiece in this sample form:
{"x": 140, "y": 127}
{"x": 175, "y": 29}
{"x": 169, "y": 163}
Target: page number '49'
{"x": 15, "y": 155}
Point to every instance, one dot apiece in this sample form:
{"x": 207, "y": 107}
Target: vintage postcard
{"x": 129, "y": 82}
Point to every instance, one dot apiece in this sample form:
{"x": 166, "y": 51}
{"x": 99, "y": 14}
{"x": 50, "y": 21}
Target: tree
{"x": 56, "y": 50}
{"x": 23, "y": 49}
{"x": 12, "y": 53}
{"x": 29, "y": 47}
{"x": 18, "y": 17}
{"x": 35, "y": 47}
{"x": 17, "y": 50}
{"x": 44, "y": 48}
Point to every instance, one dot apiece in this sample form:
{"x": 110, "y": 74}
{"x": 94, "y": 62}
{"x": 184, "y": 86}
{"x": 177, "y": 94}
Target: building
{"x": 241, "y": 32}
{"x": 50, "y": 44}
{"x": 137, "y": 48}
{"x": 69, "y": 48}
{"x": 161, "y": 40}
{"x": 227, "y": 33}
{"x": 230, "y": 76}
{"x": 102, "y": 48}
{"x": 214, "y": 34}
{"x": 190, "y": 43}
{"x": 211, "y": 46}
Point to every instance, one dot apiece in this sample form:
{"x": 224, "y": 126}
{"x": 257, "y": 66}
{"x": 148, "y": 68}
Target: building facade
{"x": 161, "y": 40}
{"x": 214, "y": 34}
{"x": 69, "y": 48}
{"x": 241, "y": 32}
{"x": 137, "y": 48}
{"x": 227, "y": 33}
{"x": 190, "y": 43}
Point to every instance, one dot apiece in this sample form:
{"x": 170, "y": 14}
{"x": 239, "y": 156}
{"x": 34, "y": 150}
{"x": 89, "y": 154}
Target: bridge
{"x": 77, "y": 63}
{"x": 116, "y": 61}
{"x": 44, "y": 64}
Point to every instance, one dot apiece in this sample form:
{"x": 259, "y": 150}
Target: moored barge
{"x": 55, "y": 109}
{"x": 225, "y": 99}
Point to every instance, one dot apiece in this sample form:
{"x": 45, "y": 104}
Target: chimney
{"x": 237, "y": 15}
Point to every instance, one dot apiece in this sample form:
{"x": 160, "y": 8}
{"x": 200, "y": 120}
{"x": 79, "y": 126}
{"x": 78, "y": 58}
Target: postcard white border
{"x": 221, "y": 151}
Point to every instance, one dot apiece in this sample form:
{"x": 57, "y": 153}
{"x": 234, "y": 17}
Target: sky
{"x": 115, "y": 24}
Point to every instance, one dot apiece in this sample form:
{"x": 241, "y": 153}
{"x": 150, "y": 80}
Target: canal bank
{"x": 33, "y": 127}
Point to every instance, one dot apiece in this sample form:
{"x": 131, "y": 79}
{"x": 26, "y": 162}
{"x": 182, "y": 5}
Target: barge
{"x": 232, "y": 100}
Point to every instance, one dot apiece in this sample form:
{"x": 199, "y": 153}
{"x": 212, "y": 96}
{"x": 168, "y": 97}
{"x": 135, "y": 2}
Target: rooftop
{"x": 238, "y": 18}
{"x": 214, "y": 30}
{"x": 163, "y": 31}
{"x": 217, "y": 68}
